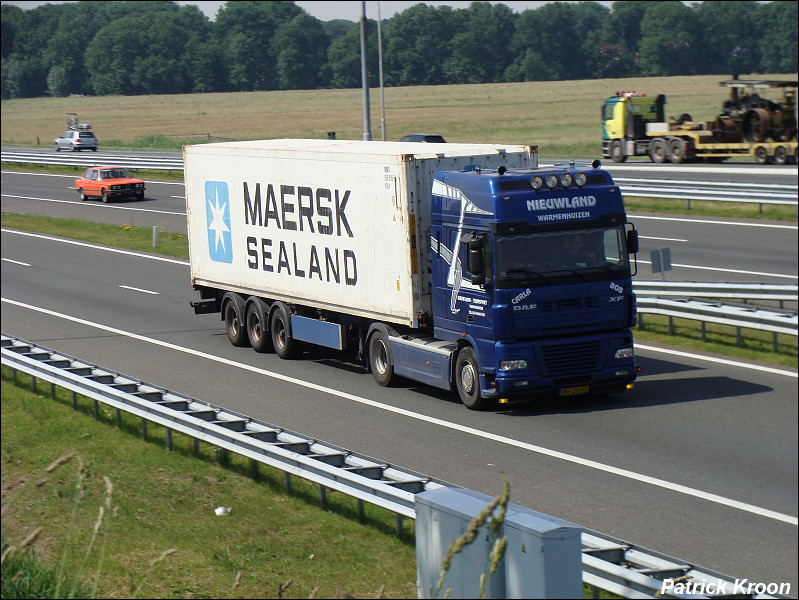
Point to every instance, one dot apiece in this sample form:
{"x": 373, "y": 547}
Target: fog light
{"x": 624, "y": 353}
{"x": 565, "y": 180}
{"x": 537, "y": 183}
{"x": 622, "y": 373}
{"x": 552, "y": 181}
{"x": 512, "y": 365}
{"x": 580, "y": 179}
{"x": 524, "y": 383}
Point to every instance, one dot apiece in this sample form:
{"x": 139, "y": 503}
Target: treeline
{"x": 159, "y": 47}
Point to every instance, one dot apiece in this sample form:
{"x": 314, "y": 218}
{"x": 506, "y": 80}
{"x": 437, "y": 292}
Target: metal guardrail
{"x": 91, "y": 159}
{"x": 608, "y": 563}
{"x": 707, "y": 311}
{"x": 698, "y": 289}
{"x": 761, "y": 193}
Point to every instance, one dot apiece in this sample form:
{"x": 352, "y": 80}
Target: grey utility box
{"x": 542, "y": 560}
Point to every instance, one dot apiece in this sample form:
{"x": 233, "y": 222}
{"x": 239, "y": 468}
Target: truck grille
{"x": 561, "y": 359}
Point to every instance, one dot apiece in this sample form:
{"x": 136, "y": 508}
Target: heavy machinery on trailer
{"x": 748, "y": 125}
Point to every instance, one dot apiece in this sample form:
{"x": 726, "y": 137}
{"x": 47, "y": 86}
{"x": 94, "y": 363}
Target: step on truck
{"x": 466, "y": 267}
{"x": 748, "y": 126}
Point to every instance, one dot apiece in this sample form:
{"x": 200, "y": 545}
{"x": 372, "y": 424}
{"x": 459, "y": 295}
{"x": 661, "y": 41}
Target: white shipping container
{"x": 333, "y": 224}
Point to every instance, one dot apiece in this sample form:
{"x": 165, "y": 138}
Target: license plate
{"x": 574, "y": 391}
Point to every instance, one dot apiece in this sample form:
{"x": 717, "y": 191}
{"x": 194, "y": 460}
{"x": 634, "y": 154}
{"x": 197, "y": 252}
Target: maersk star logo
{"x": 217, "y": 211}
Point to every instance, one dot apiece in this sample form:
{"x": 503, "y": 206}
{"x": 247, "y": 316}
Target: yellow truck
{"x": 748, "y": 125}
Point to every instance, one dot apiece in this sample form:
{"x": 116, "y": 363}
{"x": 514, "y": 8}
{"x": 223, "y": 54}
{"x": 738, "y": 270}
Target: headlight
{"x": 625, "y": 353}
{"x": 552, "y": 181}
{"x": 565, "y": 180}
{"x": 537, "y": 183}
{"x": 512, "y": 365}
{"x": 580, "y": 179}
{"x": 114, "y": 187}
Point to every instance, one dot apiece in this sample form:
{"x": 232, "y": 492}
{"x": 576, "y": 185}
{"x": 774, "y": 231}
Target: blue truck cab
{"x": 531, "y": 282}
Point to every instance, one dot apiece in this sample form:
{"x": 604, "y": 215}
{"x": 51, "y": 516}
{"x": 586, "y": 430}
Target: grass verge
{"x": 165, "y": 500}
{"x": 717, "y": 339}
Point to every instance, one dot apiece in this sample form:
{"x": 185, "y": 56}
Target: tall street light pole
{"x": 367, "y": 130}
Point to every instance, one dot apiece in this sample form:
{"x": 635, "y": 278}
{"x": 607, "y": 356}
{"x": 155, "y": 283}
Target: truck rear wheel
{"x": 285, "y": 346}
{"x": 234, "y": 325}
{"x": 380, "y": 361}
{"x": 467, "y": 379}
{"x": 658, "y": 150}
{"x": 761, "y": 154}
{"x": 781, "y": 155}
{"x": 260, "y": 340}
{"x": 677, "y": 150}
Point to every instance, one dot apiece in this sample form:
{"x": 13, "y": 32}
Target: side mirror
{"x": 474, "y": 261}
{"x": 632, "y": 242}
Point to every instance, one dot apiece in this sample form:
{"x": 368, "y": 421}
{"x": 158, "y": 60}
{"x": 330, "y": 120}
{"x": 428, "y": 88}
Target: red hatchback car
{"x": 108, "y": 183}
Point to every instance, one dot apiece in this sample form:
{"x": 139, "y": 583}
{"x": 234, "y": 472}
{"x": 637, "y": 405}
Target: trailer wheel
{"x": 467, "y": 379}
{"x": 260, "y": 340}
{"x": 761, "y": 154}
{"x": 380, "y": 361}
{"x": 781, "y": 155}
{"x": 659, "y": 150}
{"x": 677, "y": 150}
{"x": 286, "y": 347}
{"x": 617, "y": 151}
{"x": 234, "y": 325}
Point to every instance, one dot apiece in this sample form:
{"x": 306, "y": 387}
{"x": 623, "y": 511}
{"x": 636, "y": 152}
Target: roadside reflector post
{"x": 155, "y": 235}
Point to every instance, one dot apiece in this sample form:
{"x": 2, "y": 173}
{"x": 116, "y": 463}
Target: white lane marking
{"x": 709, "y": 222}
{"x": 591, "y": 464}
{"x": 16, "y": 262}
{"x": 183, "y": 262}
{"x": 96, "y": 247}
{"x": 648, "y": 237}
{"x": 97, "y": 205}
{"x": 135, "y": 289}
{"x": 646, "y": 262}
{"x": 720, "y": 361}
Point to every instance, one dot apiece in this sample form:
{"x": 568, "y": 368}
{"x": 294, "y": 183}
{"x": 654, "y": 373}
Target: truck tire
{"x": 467, "y": 379}
{"x": 677, "y": 150}
{"x": 380, "y": 362}
{"x": 659, "y": 150}
{"x": 234, "y": 325}
{"x": 761, "y": 154}
{"x": 257, "y": 330}
{"x": 781, "y": 155}
{"x": 286, "y": 347}
{"x": 617, "y": 151}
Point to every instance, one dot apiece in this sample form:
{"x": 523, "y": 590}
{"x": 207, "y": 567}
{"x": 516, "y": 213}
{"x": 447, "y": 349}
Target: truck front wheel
{"x": 617, "y": 151}
{"x": 467, "y": 379}
{"x": 380, "y": 362}
{"x": 285, "y": 345}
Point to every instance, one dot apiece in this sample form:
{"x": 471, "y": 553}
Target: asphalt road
{"x": 698, "y": 461}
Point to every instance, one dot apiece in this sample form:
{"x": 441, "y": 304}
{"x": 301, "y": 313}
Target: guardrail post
{"x": 33, "y": 384}
{"x": 322, "y": 496}
{"x": 287, "y": 477}
{"x": 398, "y": 525}
{"x": 96, "y": 410}
{"x": 775, "y": 343}
{"x": 168, "y": 438}
{"x": 144, "y": 429}
{"x": 52, "y": 391}
{"x": 74, "y": 400}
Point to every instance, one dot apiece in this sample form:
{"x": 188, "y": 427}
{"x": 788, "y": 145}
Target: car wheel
{"x": 104, "y": 194}
{"x": 82, "y": 195}
{"x": 57, "y": 147}
{"x": 94, "y": 149}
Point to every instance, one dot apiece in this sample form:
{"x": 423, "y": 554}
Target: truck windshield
{"x": 561, "y": 257}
